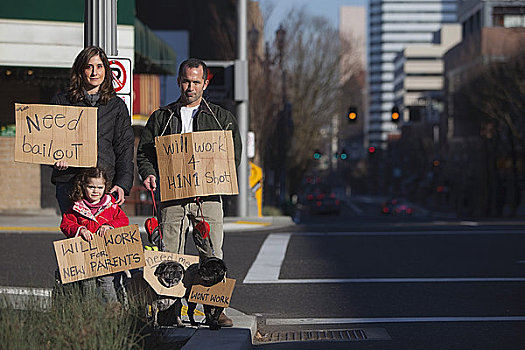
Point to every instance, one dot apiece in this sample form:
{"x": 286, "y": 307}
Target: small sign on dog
{"x": 118, "y": 250}
{"x": 216, "y": 295}
{"x": 46, "y": 134}
{"x": 163, "y": 273}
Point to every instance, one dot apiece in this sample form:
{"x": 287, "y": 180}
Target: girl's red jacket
{"x": 79, "y": 215}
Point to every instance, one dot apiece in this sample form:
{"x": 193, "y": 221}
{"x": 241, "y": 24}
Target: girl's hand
{"x": 86, "y": 234}
{"x": 103, "y": 229}
{"x": 61, "y": 165}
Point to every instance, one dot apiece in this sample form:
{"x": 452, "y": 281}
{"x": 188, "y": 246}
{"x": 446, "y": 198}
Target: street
{"x": 357, "y": 280}
{"x": 407, "y": 284}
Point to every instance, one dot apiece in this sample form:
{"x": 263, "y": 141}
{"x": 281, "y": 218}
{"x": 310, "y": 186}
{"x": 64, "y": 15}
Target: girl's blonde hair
{"x": 82, "y": 180}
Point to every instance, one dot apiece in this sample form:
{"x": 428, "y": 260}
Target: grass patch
{"x": 72, "y": 321}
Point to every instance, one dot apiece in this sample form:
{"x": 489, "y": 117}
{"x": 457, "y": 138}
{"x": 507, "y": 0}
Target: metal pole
{"x": 242, "y": 106}
{"x": 100, "y": 25}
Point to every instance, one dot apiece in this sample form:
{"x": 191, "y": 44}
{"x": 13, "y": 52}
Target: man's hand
{"x": 150, "y": 183}
{"x": 103, "y": 229}
{"x": 61, "y": 165}
{"x": 120, "y": 192}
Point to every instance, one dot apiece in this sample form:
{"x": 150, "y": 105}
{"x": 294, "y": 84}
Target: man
{"x": 188, "y": 114}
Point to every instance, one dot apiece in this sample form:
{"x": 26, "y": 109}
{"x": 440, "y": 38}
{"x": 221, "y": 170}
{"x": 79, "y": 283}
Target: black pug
{"x": 207, "y": 273}
{"x": 166, "y": 311}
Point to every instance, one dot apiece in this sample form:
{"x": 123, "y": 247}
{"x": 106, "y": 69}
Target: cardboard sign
{"x": 196, "y": 164}
{"x": 46, "y": 134}
{"x": 153, "y": 259}
{"x": 217, "y": 295}
{"x": 118, "y": 250}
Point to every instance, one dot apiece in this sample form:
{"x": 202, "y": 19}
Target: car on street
{"x": 324, "y": 200}
{"x": 396, "y": 206}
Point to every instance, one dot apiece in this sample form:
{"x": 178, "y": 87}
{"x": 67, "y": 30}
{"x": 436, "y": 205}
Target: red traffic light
{"x": 371, "y": 149}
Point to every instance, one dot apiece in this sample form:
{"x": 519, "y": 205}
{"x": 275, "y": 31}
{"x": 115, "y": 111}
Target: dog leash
{"x": 202, "y": 226}
{"x": 152, "y": 227}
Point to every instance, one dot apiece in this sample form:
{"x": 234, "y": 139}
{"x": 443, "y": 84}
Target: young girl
{"x": 94, "y": 212}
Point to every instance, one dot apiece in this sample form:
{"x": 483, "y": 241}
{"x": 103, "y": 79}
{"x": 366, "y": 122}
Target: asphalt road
{"x": 362, "y": 280}
{"x": 388, "y": 283}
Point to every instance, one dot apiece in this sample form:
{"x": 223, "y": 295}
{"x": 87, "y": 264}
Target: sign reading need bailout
{"x": 118, "y": 250}
{"x": 46, "y": 134}
{"x": 196, "y": 164}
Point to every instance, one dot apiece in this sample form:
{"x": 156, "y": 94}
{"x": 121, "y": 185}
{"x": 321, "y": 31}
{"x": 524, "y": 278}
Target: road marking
{"x": 267, "y": 264}
{"x": 387, "y": 280}
{"x": 469, "y": 223}
{"x": 354, "y": 320}
{"x": 26, "y": 228}
{"x": 412, "y": 233}
{"x": 39, "y": 292}
{"x": 252, "y": 223}
{"x": 355, "y": 208}
{"x": 267, "y": 267}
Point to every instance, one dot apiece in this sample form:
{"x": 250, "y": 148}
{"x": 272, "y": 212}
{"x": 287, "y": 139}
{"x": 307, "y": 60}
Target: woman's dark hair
{"x": 82, "y": 179}
{"x": 77, "y": 79}
{"x": 194, "y": 63}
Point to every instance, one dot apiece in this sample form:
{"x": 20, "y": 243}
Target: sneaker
{"x": 225, "y": 321}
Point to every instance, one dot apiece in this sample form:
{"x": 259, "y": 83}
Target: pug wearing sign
{"x": 162, "y": 310}
{"x": 167, "y": 310}
{"x": 208, "y": 273}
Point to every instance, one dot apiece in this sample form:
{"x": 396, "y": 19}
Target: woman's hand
{"x": 103, "y": 229}
{"x": 61, "y": 165}
{"x": 120, "y": 192}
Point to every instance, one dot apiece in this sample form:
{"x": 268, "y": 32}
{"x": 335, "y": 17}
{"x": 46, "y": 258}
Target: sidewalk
{"x": 237, "y": 337}
{"x": 49, "y": 221}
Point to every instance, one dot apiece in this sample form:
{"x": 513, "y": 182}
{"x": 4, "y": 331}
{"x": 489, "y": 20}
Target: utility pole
{"x": 100, "y": 25}
{"x": 241, "y": 97}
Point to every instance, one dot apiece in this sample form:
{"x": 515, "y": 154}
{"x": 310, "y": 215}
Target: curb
{"x": 237, "y": 337}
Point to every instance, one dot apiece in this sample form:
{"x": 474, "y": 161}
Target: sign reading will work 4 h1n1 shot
{"x": 46, "y": 134}
{"x": 196, "y": 164}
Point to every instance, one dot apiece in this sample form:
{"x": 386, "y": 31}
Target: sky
{"x": 325, "y": 8}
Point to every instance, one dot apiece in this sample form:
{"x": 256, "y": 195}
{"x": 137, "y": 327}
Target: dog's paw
{"x": 214, "y": 326}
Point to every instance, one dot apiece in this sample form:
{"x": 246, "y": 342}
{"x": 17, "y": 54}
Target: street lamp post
{"x": 285, "y": 117}
{"x": 284, "y": 122}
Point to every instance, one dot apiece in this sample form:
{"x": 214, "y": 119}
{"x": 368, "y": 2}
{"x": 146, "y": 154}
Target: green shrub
{"x": 71, "y": 322}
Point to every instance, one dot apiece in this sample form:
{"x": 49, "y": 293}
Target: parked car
{"x": 324, "y": 200}
{"x": 396, "y": 206}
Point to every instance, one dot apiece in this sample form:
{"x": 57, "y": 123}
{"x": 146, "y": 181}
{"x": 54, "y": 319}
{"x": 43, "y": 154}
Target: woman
{"x": 91, "y": 85}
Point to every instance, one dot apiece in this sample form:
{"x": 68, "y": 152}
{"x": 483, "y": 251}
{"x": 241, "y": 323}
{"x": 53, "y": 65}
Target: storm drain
{"x": 327, "y": 335}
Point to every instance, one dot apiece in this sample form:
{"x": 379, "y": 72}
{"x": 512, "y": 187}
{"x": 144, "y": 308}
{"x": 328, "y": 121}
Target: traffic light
{"x": 343, "y": 154}
{"x": 371, "y": 150}
{"x": 220, "y": 76}
{"x": 317, "y": 155}
{"x": 352, "y": 114}
{"x": 395, "y": 114}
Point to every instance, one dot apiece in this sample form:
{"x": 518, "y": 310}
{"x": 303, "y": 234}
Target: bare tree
{"x": 493, "y": 101}
{"x": 314, "y": 84}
